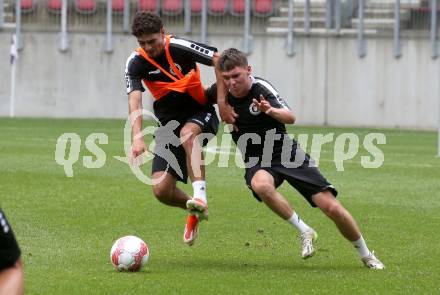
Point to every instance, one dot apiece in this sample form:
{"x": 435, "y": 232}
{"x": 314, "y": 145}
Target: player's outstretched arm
{"x": 227, "y": 113}
{"x": 283, "y": 115}
{"x": 135, "y": 112}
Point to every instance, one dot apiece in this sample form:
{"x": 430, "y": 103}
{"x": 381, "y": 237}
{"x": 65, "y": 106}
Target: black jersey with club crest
{"x": 256, "y": 128}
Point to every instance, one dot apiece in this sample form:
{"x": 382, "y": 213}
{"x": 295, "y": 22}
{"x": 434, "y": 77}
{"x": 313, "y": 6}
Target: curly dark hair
{"x": 145, "y": 23}
{"x": 231, "y": 58}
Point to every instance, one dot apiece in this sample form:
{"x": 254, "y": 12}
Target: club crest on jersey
{"x": 253, "y": 109}
{"x": 155, "y": 72}
{"x": 178, "y": 67}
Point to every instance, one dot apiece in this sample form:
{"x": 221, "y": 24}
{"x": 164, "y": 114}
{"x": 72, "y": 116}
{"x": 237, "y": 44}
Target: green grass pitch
{"x": 66, "y": 226}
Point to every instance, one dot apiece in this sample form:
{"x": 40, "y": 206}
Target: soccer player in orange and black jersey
{"x": 174, "y": 105}
{"x": 168, "y": 67}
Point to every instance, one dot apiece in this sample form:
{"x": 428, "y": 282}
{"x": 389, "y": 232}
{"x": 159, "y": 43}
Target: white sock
{"x": 298, "y": 223}
{"x": 361, "y": 247}
{"x": 199, "y": 187}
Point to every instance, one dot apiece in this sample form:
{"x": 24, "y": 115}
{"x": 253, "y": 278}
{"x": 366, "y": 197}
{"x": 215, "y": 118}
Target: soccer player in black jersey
{"x": 11, "y": 266}
{"x": 168, "y": 67}
{"x": 262, "y": 115}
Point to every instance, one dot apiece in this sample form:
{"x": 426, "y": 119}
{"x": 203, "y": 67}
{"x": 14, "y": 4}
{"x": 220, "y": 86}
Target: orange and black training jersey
{"x": 185, "y": 54}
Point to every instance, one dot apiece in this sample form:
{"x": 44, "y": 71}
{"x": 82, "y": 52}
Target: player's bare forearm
{"x": 135, "y": 112}
{"x": 227, "y": 113}
{"x": 283, "y": 115}
{"x": 135, "y": 109}
{"x": 221, "y": 87}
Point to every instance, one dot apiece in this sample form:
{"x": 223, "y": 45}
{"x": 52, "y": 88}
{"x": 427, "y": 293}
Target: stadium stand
{"x": 238, "y": 7}
{"x": 420, "y": 14}
{"x": 54, "y": 6}
{"x": 8, "y": 14}
{"x": 419, "y": 6}
{"x": 379, "y": 14}
{"x": 148, "y": 5}
{"x": 85, "y": 6}
{"x": 27, "y": 6}
{"x": 317, "y": 16}
{"x": 118, "y": 6}
{"x": 217, "y": 7}
{"x": 172, "y": 7}
{"x": 196, "y": 7}
{"x": 269, "y": 16}
{"x": 262, "y": 8}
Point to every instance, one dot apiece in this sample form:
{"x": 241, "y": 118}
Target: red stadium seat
{"x": 27, "y": 6}
{"x": 217, "y": 7}
{"x": 196, "y": 6}
{"x": 148, "y": 5}
{"x": 238, "y": 7}
{"x": 85, "y": 6}
{"x": 54, "y": 6}
{"x": 172, "y": 7}
{"x": 118, "y": 6}
{"x": 263, "y": 7}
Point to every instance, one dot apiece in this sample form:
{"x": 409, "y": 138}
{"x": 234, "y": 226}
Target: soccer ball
{"x": 129, "y": 253}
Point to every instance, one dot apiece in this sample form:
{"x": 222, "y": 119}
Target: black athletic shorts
{"x": 306, "y": 179}
{"x": 9, "y": 251}
{"x": 169, "y": 154}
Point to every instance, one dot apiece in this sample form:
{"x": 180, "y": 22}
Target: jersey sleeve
{"x": 9, "y": 250}
{"x": 133, "y": 78}
{"x": 271, "y": 94}
{"x": 195, "y": 51}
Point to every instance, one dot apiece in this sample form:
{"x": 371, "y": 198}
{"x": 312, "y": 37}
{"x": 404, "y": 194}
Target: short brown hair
{"x": 231, "y": 58}
{"x": 146, "y": 23}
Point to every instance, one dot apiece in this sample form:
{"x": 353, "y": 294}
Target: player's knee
{"x": 263, "y": 189}
{"x": 187, "y": 136}
{"x": 162, "y": 193}
{"x": 333, "y": 210}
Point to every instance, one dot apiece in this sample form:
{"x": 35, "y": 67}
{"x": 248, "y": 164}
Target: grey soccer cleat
{"x": 307, "y": 240}
{"x": 371, "y": 261}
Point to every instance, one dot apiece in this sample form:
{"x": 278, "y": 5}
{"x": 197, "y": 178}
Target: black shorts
{"x": 169, "y": 154}
{"x": 9, "y": 251}
{"x": 306, "y": 179}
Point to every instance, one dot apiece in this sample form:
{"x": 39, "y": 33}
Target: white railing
{"x": 358, "y": 18}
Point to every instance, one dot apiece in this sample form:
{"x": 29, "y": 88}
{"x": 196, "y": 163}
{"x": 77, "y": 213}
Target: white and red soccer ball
{"x": 129, "y": 253}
